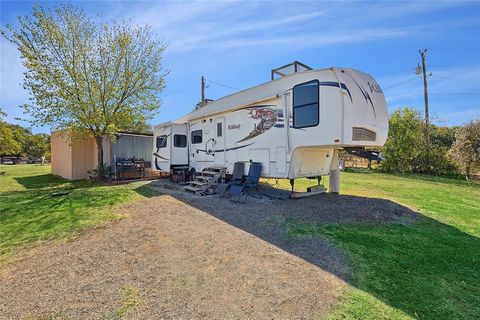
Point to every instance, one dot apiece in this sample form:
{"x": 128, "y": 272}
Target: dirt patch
{"x": 333, "y": 208}
{"x": 181, "y": 262}
{"x": 179, "y": 256}
{"x": 323, "y": 208}
{"x": 268, "y": 217}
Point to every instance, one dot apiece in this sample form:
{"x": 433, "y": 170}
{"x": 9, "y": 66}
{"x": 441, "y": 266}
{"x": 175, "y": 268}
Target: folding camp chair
{"x": 240, "y": 192}
{"x": 237, "y": 174}
{"x": 237, "y": 178}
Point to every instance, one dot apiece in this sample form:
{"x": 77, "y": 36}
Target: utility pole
{"x": 425, "y": 92}
{"x": 203, "y": 91}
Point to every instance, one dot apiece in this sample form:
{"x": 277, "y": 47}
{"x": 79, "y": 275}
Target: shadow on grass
{"x": 40, "y": 181}
{"x": 49, "y": 181}
{"x": 146, "y": 191}
{"x": 412, "y": 263}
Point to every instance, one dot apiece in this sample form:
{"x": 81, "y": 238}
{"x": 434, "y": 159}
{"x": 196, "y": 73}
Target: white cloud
{"x": 189, "y": 26}
{"x": 318, "y": 39}
{"x": 169, "y": 14}
{"x": 199, "y": 39}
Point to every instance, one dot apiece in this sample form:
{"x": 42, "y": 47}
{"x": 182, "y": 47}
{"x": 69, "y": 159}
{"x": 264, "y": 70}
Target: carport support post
{"x": 334, "y": 177}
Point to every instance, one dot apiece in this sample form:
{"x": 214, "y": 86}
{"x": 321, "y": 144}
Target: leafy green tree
{"x": 404, "y": 133}
{"x": 36, "y": 145}
{"x": 443, "y": 136}
{"x": 8, "y": 144}
{"x": 20, "y": 133}
{"x": 434, "y": 159}
{"x": 92, "y": 79}
{"x": 140, "y": 126}
{"x": 465, "y": 151}
{"x": 406, "y": 149}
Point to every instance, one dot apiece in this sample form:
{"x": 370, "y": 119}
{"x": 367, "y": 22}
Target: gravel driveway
{"x": 179, "y": 256}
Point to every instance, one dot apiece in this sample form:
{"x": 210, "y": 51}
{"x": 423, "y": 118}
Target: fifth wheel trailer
{"x": 294, "y": 126}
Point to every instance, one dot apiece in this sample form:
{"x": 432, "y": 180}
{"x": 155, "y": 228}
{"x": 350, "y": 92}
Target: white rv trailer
{"x": 294, "y": 126}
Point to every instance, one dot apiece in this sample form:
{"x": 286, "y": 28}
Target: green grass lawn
{"x": 428, "y": 270}
{"x": 33, "y": 207}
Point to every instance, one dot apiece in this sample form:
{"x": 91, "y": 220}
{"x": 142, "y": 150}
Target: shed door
{"x": 220, "y": 132}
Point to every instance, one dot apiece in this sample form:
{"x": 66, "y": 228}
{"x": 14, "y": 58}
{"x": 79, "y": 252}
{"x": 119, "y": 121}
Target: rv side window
{"x": 179, "y": 140}
{"x": 161, "y": 142}
{"x": 196, "y": 136}
{"x": 305, "y": 105}
{"x": 219, "y": 129}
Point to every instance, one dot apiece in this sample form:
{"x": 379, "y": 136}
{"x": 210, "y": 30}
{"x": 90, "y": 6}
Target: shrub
{"x": 465, "y": 151}
{"x": 407, "y": 149}
{"x": 104, "y": 173}
{"x": 404, "y": 135}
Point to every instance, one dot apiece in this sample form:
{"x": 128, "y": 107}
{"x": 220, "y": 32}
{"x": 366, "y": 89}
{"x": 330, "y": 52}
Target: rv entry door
{"x": 161, "y": 148}
{"x": 220, "y": 132}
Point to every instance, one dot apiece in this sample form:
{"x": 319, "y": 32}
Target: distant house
{"x": 72, "y": 160}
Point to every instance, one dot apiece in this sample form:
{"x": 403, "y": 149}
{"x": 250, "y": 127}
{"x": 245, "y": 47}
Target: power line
{"x": 454, "y": 48}
{"x": 447, "y": 78}
{"x": 400, "y": 83}
{"x": 222, "y": 85}
{"x": 442, "y": 94}
{"x": 456, "y": 93}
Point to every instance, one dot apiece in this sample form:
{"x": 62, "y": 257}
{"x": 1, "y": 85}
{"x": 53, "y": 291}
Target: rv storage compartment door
{"x": 281, "y": 160}
{"x": 262, "y": 156}
{"x": 310, "y": 162}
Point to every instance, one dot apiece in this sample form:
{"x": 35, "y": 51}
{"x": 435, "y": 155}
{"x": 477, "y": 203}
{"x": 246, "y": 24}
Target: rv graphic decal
{"x": 374, "y": 87}
{"x": 159, "y": 156}
{"x": 225, "y": 150}
{"x": 365, "y": 94}
{"x": 156, "y": 155}
{"x": 234, "y": 126}
{"x": 268, "y": 118}
{"x": 336, "y": 84}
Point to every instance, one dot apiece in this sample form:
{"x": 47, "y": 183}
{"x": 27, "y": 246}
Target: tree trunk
{"x": 99, "y": 141}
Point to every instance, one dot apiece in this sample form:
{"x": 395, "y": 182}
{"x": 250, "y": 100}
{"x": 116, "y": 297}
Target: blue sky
{"x": 237, "y": 44}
